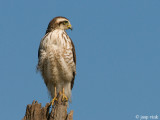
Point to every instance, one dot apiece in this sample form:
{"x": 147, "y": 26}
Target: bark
{"x": 35, "y": 111}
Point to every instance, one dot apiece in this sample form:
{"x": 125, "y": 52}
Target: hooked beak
{"x": 70, "y": 26}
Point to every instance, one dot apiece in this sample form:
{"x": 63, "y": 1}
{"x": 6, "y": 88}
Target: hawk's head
{"x": 59, "y": 23}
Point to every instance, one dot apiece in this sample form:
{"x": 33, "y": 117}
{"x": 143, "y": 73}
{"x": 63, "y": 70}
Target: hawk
{"x": 57, "y": 59}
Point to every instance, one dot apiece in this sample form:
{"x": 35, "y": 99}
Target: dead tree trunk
{"x": 58, "y": 111}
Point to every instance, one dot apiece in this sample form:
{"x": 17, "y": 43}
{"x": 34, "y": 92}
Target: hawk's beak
{"x": 70, "y": 26}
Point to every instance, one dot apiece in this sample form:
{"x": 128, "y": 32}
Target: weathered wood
{"x": 59, "y": 111}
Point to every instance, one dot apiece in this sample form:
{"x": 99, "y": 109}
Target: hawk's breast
{"x": 60, "y": 57}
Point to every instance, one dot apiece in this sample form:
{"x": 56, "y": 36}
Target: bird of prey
{"x": 57, "y": 59}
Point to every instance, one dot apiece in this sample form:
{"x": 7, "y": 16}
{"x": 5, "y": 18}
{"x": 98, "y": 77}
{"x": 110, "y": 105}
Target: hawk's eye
{"x": 65, "y": 22}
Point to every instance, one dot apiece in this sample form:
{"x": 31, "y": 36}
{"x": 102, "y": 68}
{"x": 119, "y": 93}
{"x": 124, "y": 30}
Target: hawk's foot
{"x": 55, "y": 97}
{"x": 53, "y": 100}
{"x": 64, "y": 97}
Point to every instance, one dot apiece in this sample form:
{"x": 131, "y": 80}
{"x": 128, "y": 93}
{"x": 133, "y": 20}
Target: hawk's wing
{"x": 39, "y": 57}
{"x": 41, "y": 54}
{"x": 74, "y": 60}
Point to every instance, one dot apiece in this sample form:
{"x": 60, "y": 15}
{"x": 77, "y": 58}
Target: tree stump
{"x": 58, "y": 111}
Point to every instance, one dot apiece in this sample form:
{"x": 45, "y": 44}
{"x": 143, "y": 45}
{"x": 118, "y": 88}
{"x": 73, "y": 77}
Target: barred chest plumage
{"x": 60, "y": 57}
{"x": 57, "y": 65}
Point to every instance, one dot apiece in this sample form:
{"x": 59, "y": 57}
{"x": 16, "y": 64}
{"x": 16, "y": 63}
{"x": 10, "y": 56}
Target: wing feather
{"x": 74, "y": 59}
{"x": 41, "y": 54}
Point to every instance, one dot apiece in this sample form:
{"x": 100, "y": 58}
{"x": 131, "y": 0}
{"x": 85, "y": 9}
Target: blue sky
{"x": 118, "y": 62}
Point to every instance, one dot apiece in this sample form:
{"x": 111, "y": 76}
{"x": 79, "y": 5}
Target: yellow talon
{"x": 64, "y": 97}
{"x": 55, "y": 97}
{"x": 53, "y": 100}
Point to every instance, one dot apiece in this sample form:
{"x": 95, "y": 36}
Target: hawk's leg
{"x": 64, "y": 97}
{"x": 55, "y": 97}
